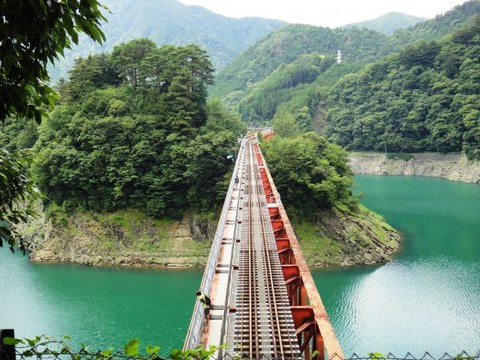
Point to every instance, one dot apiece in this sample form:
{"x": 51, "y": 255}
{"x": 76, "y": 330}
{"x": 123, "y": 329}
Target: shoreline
{"x": 339, "y": 238}
{"x": 452, "y": 166}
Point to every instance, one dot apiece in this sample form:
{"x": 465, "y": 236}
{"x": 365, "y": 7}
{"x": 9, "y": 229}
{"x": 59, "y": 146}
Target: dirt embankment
{"x": 454, "y": 167}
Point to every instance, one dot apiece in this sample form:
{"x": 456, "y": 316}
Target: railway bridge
{"x": 264, "y": 300}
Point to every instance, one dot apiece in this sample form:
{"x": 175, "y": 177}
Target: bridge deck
{"x": 259, "y": 307}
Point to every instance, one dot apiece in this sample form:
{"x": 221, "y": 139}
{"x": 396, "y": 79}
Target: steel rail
{"x": 253, "y": 288}
{"x": 274, "y": 317}
{"x": 240, "y": 159}
{"x": 274, "y": 284}
{"x": 248, "y": 280}
{"x": 263, "y": 321}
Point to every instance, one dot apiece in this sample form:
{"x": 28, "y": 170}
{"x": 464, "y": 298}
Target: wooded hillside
{"x": 134, "y": 130}
{"x": 393, "y": 93}
{"x": 169, "y": 22}
{"x": 424, "y": 98}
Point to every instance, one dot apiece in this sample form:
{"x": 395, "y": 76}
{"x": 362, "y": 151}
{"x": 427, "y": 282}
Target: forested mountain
{"x": 311, "y": 89}
{"x": 171, "y": 22}
{"x": 291, "y": 87}
{"x": 442, "y": 25}
{"x": 388, "y": 23}
{"x": 423, "y": 98}
{"x": 284, "y": 46}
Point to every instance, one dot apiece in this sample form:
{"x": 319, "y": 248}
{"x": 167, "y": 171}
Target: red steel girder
{"x": 283, "y": 244}
{"x": 274, "y": 213}
{"x": 299, "y": 282}
{"x": 295, "y": 287}
{"x": 308, "y": 334}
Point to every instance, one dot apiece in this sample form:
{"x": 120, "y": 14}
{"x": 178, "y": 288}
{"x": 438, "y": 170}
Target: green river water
{"x": 428, "y": 298}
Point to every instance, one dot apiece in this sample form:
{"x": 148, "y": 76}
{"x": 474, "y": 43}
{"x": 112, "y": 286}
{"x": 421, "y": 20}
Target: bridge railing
{"x": 195, "y": 330}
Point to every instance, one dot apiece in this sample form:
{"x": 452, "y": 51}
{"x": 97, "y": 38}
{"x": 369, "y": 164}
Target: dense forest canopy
{"x": 134, "y": 130}
{"x": 441, "y": 25}
{"x": 262, "y": 101}
{"x": 284, "y": 46}
{"x": 424, "y": 98}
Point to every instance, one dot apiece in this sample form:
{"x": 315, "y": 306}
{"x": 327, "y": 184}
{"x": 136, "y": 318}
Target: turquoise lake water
{"x": 427, "y": 299}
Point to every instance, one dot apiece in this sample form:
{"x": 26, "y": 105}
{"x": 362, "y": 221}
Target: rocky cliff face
{"x": 339, "y": 237}
{"x": 454, "y": 167}
{"x": 125, "y": 239}
{"x": 342, "y": 237}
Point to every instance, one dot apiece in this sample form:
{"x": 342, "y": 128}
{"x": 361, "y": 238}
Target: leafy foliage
{"x": 18, "y": 134}
{"x": 134, "y": 131}
{"x": 33, "y": 33}
{"x": 43, "y": 347}
{"x": 284, "y": 124}
{"x": 16, "y": 190}
{"x": 309, "y": 172}
{"x": 48, "y": 347}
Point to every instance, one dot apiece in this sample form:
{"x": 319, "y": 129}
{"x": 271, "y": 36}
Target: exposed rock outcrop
{"x": 124, "y": 241}
{"x": 454, "y": 167}
{"x": 341, "y": 237}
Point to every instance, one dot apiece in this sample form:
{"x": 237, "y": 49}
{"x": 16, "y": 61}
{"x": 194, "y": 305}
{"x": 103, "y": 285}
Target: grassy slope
{"x": 341, "y": 237}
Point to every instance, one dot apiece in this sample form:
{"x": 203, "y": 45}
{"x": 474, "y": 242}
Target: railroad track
{"x": 264, "y": 324}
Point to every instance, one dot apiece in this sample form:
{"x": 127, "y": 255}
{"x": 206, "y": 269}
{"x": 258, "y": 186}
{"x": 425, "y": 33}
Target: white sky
{"x": 331, "y": 13}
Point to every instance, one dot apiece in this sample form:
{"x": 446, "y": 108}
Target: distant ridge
{"x": 388, "y": 23}
{"x": 171, "y": 22}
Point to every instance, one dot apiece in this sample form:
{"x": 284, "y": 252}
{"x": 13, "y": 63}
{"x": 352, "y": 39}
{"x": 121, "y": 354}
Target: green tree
{"x": 93, "y": 72}
{"x": 284, "y": 124}
{"x": 310, "y": 173}
{"x": 303, "y": 119}
{"x": 34, "y": 33}
{"x": 16, "y": 190}
{"x": 156, "y": 145}
{"x": 128, "y": 57}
